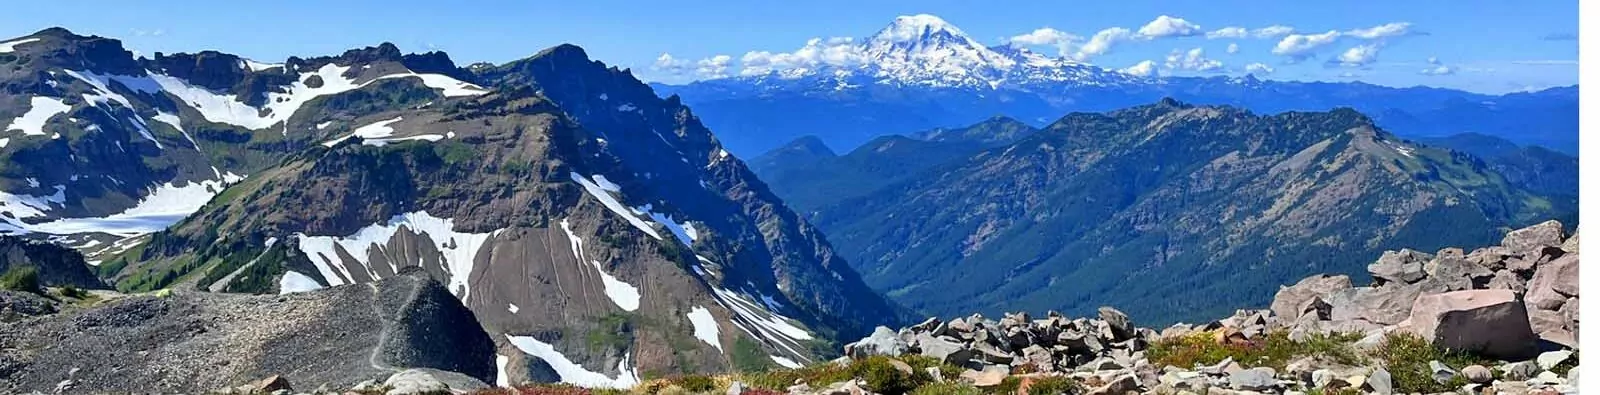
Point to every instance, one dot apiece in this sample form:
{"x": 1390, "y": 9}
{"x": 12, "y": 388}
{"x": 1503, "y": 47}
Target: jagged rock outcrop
{"x": 334, "y": 337}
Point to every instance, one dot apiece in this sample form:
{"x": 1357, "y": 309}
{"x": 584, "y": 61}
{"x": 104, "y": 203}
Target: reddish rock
{"x": 1491, "y": 322}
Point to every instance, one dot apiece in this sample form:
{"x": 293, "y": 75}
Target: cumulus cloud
{"x": 1360, "y": 55}
{"x": 1102, "y": 42}
{"x": 1258, "y": 68}
{"x": 1387, "y": 30}
{"x": 1299, "y": 46}
{"x": 1143, "y": 69}
{"x": 1233, "y": 48}
{"x": 1167, "y": 26}
{"x": 713, "y": 67}
{"x": 1045, "y": 36}
{"x": 670, "y": 65}
{"x": 836, "y": 51}
{"x": 1228, "y": 32}
{"x": 1048, "y": 36}
{"x": 1273, "y": 31}
{"x": 1193, "y": 60}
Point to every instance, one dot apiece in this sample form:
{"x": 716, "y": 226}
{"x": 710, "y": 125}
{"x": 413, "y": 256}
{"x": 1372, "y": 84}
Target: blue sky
{"x": 1483, "y": 46}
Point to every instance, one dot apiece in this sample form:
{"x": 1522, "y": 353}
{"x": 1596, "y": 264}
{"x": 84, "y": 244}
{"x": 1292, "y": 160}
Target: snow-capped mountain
{"x": 930, "y": 74}
{"x": 925, "y": 50}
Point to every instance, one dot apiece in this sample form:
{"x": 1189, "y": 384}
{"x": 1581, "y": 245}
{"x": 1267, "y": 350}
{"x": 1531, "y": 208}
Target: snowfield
{"x": 705, "y": 326}
{"x": 165, "y": 205}
{"x": 573, "y": 373}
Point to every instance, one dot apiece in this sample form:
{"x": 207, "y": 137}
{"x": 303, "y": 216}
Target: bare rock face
{"x": 1291, "y": 300}
{"x": 1493, "y": 322}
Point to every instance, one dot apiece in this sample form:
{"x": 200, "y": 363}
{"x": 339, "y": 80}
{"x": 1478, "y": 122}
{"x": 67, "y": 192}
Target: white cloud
{"x": 713, "y": 67}
{"x": 1273, "y": 31}
{"x": 670, "y": 65}
{"x": 1102, "y": 42}
{"x": 1228, "y": 32}
{"x": 1193, "y": 60}
{"x": 1258, "y": 68}
{"x": 1143, "y": 69}
{"x": 1166, "y": 26}
{"x": 836, "y": 51}
{"x": 1393, "y": 29}
{"x": 1360, "y": 55}
{"x": 1438, "y": 70}
{"x": 1299, "y": 46}
{"x": 1045, "y": 36}
{"x": 1048, "y": 36}
{"x": 1233, "y": 48}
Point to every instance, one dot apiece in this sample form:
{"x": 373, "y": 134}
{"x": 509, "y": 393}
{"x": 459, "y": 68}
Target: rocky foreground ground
{"x": 1498, "y": 319}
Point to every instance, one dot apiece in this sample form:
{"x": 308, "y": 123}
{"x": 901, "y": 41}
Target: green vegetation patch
{"x": 1275, "y": 350}
{"x": 1406, "y": 357}
{"x": 22, "y": 278}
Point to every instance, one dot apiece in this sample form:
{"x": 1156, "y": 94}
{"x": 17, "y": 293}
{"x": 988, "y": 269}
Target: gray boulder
{"x": 1548, "y": 233}
{"x": 1121, "y": 326}
{"x": 430, "y": 381}
{"x": 1491, "y": 322}
{"x": 1291, "y": 301}
{"x": 1387, "y": 304}
{"x": 1254, "y": 379}
{"x": 943, "y": 350}
{"x": 1404, "y": 266}
{"x": 883, "y": 341}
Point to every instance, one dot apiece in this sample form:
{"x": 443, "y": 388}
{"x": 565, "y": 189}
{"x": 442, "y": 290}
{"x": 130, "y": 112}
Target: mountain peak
{"x": 913, "y": 27}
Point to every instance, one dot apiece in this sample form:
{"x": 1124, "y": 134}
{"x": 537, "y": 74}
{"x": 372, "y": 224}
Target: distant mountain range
{"x": 599, "y": 233}
{"x": 921, "y": 72}
{"x": 1170, "y": 210}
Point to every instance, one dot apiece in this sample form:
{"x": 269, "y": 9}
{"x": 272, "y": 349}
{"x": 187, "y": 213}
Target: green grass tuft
{"x": 21, "y": 278}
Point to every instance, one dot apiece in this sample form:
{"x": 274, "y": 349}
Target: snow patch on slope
{"x": 573, "y": 373}
{"x": 458, "y": 250}
{"x": 172, "y": 120}
{"x": 293, "y": 281}
{"x": 705, "y": 326}
{"x": 40, "y": 110}
{"x": 604, "y": 195}
{"x": 785, "y": 362}
{"x": 625, "y": 295}
{"x": 8, "y": 46}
